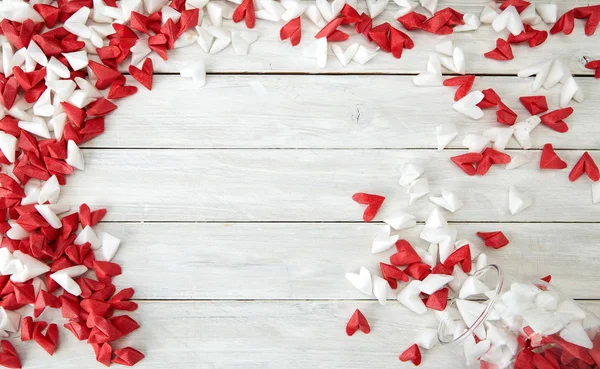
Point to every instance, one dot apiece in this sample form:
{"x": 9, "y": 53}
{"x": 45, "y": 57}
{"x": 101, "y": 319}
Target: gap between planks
{"x": 329, "y": 222}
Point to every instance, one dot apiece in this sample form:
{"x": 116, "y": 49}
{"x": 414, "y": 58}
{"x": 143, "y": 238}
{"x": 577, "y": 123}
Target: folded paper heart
{"x": 381, "y": 289}
{"x": 357, "y": 321}
{"x": 461, "y": 256}
{"x": 464, "y": 82}
{"x": 293, "y": 9}
{"x": 592, "y": 16}
{"x": 456, "y": 63}
{"x": 509, "y": 19}
{"x": 468, "y": 105}
{"x": 245, "y": 11}
{"x": 530, "y": 35}
{"x": 448, "y": 200}
{"x": 550, "y": 159}
{"x": 401, "y": 220}
{"x": 292, "y": 30}
{"x": 434, "y": 282}
{"x": 503, "y": 51}
{"x": 412, "y": 354}
{"x": 197, "y": 72}
{"x": 505, "y": 115}
{"x": 318, "y": 50}
{"x": 144, "y": 75}
{"x": 409, "y": 172}
{"x": 373, "y": 203}
{"x": 417, "y": 189}
{"x": 499, "y": 136}
{"x": 376, "y": 7}
{"x": 516, "y": 201}
{"x": 489, "y": 12}
{"x": 534, "y": 104}
{"x": 433, "y": 75}
{"x": 586, "y": 165}
{"x": 361, "y": 281}
{"x": 594, "y": 65}
{"x": 445, "y": 133}
{"x": 471, "y": 23}
{"x": 523, "y": 130}
{"x": 406, "y": 6}
{"x": 409, "y": 297}
{"x": 330, "y": 10}
{"x": 437, "y": 301}
{"x": 384, "y": 240}
{"x": 494, "y": 240}
{"x": 269, "y": 10}
{"x": 392, "y": 275}
{"x": 554, "y": 119}
{"x": 428, "y": 339}
{"x": 490, "y": 99}
{"x": 406, "y": 254}
{"x": 529, "y": 16}
{"x": 467, "y": 162}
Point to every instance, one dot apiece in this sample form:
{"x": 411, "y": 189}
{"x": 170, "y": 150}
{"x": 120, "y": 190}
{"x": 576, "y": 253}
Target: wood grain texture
{"x": 308, "y": 261}
{"x": 260, "y": 335}
{"x": 324, "y": 112}
{"x": 311, "y": 185}
{"x": 271, "y": 55}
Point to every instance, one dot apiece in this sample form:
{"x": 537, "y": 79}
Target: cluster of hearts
{"x": 529, "y": 326}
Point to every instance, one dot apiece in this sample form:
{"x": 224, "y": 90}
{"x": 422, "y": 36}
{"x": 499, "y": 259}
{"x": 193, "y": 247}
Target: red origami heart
{"x": 106, "y": 76}
{"x": 373, "y": 203}
{"x": 534, "y": 104}
{"x": 554, "y": 119}
{"x": 392, "y": 275}
{"x": 48, "y": 12}
{"x": 503, "y": 51}
{"x": 550, "y": 159}
{"x": 127, "y": 356}
{"x": 594, "y": 65}
{"x": 466, "y": 162}
{"x": 329, "y": 28}
{"x": 462, "y": 256}
{"x": 245, "y": 11}
{"x": 438, "y": 300}
{"x": 292, "y": 30}
{"x": 565, "y": 24}
{"x": 8, "y": 356}
{"x": 357, "y": 321}
{"x": 464, "y": 82}
{"x": 418, "y": 270}
{"x": 406, "y": 254}
{"x": 412, "y": 354}
{"x": 8, "y": 92}
{"x": 505, "y": 115}
{"x": 350, "y": 15}
{"x": 119, "y": 91}
{"x": 490, "y": 99}
{"x": 47, "y": 341}
{"x": 399, "y": 41}
{"x": 585, "y": 164}
{"x": 592, "y": 14}
{"x": 494, "y": 240}
{"x": 364, "y": 26}
{"x": 144, "y": 75}
{"x": 519, "y": 4}
{"x": 379, "y": 35}
{"x": 491, "y": 156}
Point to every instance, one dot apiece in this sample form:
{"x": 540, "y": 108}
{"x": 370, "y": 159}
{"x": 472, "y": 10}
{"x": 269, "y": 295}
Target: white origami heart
{"x": 480, "y": 262}
{"x": 417, "y": 189}
{"x": 455, "y": 64}
{"x": 435, "y": 219}
{"x": 58, "y": 123}
{"x": 499, "y": 136}
{"x": 43, "y": 106}
{"x": 318, "y": 50}
{"x": 222, "y": 39}
{"x": 401, "y": 220}
{"x": 313, "y": 13}
{"x": 406, "y": 6}
{"x": 381, "y": 289}
{"x": 152, "y": 6}
{"x": 49, "y": 215}
{"x": 293, "y": 9}
{"x": 409, "y": 172}
{"x": 198, "y": 4}
{"x": 509, "y": 19}
{"x": 344, "y": 56}
{"x": 575, "y": 334}
{"x": 569, "y": 308}
{"x": 472, "y": 287}
{"x": 472, "y": 23}
{"x": 88, "y": 235}
{"x": 16, "y": 232}
{"x": 445, "y": 133}
{"x": 448, "y": 201}
{"x": 430, "y": 5}
{"x": 50, "y": 191}
{"x": 445, "y": 47}
{"x": 517, "y": 202}
{"x": 489, "y": 12}
{"x": 459, "y": 276}
{"x": 241, "y": 41}
{"x": 527, "y": 290}
{"x": 409, "y": 297}
{"x": 169, "y": 13}
{"x": 32, "y": 191}
{"x": 548, "y": 12}
{"x": 197, "y": 72}
{"x": 428, "y": 339}
{"x": 187, "y": 38}
{"x": 37, "y": 126}
{"x": 433, "y": 75}
{"x": 19, "y": 11}
{"x": 376, "y": 7}
{"x": 558, "y": 73}
{"x": 217, "y": 11}
{"x": 57, "y": 67}
{"x": 10, "y": 59}
{"x": 434, "y": 282}
{"x": 384, "y": 240}
{"x": 32, "y": 267}
{"x": 364, "y": 54}
{"x": 330, "y": 10}
{"x": 10, "y": 320}
{"x": 205, "y": 39}
{"x": 75, "y": 156}
{"x": 76, "y": 23}
{"x": 473, "y": 351}
{"x": 8, "y": 146}
{"x": 141, "y": 50}
{"x": 88, "y": 88}
{"x": 62, "y": 88}
{"x": 35, "y": 53}
{"x": 469, "y": 310}
{"x": 270, "y": 10}
{"x": 110, "y": 246}
{"x": 475, "y": 143}
{"x": 570, "y": 90}
{"x": 468, "y": 105}
{"x": 529, "y": 16}
{"x": 523, "y": 130}
{"x": 64, "y": 278}
{"x": 547, "y": 300}
{"x": 80, "y": 99}
{"x": 361, "y": 281}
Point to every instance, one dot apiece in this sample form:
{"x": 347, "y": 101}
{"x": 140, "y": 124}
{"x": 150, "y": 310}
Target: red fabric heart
{"x": 505, "y": 115}
{"x": 357, "y": 321}
{"x": 465, "y": 84}
{"x": 491, "y": 156}
{"x": 554, "y": 119}
{"x": 466, "y": 162}
{"x": 438, "y": 300}
{"x": 406, "y": 254}
{"x": 292, "y": 30}
{"x": 494, "y": 240}
{"x": 127, "y": 356}
{"x": 329, "y": 28}
{"x": 550, "y": 159}
{"x": 594, "y": 65}
{"x": 592, "y": 14}
{"x": 418, "y": 270}
{"x": 534, "y": 104}
{"x": 503, "y": 51}
{"x": 490, "y": 99}
{"x": 585, "y": 164}
{"x": 143, "y": 76}
{"x": 373, "y": 203}
{"x": 412, "y": 354}
{"x": 462, "y": 256}
{"x": 245, "y": 11}
{"x": 392, "y": 275}
{"x": 565, "y": 24}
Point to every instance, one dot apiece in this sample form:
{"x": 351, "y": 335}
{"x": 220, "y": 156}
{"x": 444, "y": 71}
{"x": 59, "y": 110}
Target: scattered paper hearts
{"x": 503, "y": 51}
{"x": 495, "y": 240}
{"x": 586, "y": 165}
{"x": 412, "y": 354}
{"x": 357, "y": 321}
{"x": 144, "y": 75}
{"x": 464, "y": 82}
{"x": 550, "y": 160}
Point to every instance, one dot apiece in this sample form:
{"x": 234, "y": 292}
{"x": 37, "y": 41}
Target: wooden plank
{"x": 260, "y": 335}
{"x": 310, "y": 185}
{"x": 271, "y": 55}
{"x": 308, "y": 261}
{"x": 323, "y": 112}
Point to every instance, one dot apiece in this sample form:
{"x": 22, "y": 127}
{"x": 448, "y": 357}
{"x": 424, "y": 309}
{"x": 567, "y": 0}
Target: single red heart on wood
{"x": 494, "y": 240}
{"x": 144, "y": 75}
{"x": 503, "y": 51}
{"x": 412, "y": 354}
{"x": 585, "y": 164}
{"x": 245, "y": 11}
{"x": 554, "y": 119}
{"x": 465, "y": 84}
{"x": 292, "y": 30}
{"x": 550, "y": 159}
{"x": 466, "y": 162}
{"x": 373, "y": 203}
{"x": 357, "y": 321}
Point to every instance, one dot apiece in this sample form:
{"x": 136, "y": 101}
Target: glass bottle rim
{"x": 488, "y": 309}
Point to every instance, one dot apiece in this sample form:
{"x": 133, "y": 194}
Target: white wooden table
{"x": 234, "y": 201}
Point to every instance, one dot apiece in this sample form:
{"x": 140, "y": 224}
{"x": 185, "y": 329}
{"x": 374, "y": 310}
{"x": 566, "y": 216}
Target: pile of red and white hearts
{"x": 529, "y": 323}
